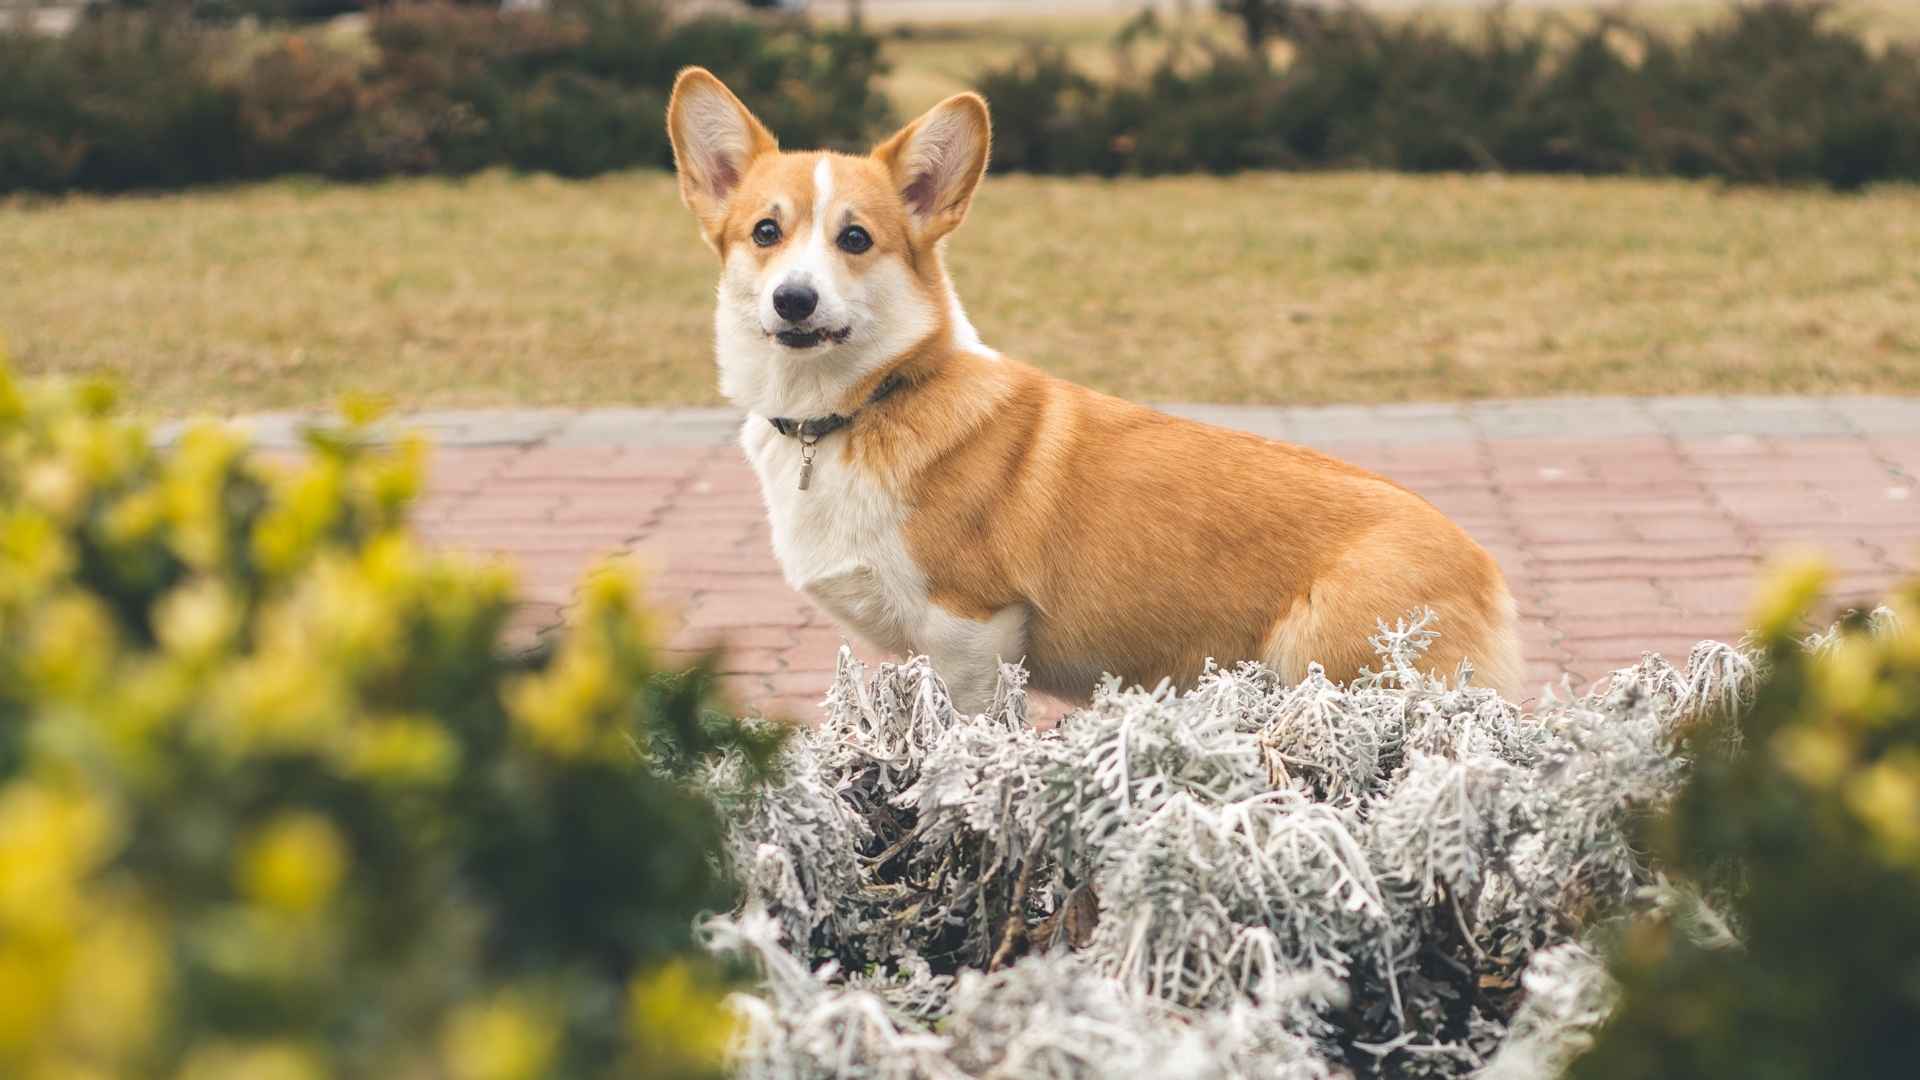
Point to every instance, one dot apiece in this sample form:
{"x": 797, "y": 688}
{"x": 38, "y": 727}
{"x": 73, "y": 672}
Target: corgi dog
{"x": 934, "y": 496}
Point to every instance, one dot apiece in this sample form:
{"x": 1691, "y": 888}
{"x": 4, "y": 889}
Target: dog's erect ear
{"x": 937, "y": 162}
{"x": 714, "y": 138}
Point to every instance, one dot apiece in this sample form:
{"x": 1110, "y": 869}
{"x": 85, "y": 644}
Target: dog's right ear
{"x": 715, "y": 139}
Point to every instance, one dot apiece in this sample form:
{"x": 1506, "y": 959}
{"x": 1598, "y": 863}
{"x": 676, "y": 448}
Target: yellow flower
{"x": 1817, "y": 756}
{"x": 32, "y": 551}
{"x": 1848, "y": 681}
{"x": 560, "y": 709}
{"x": 136, "y": 516}
{"x": 51, "y": 838}
{"x": 1787, "y": 591}
{"x": 1904, "y": 648}
{"x": 403, "y": 750}
{"x": 609, "y": 588}
{"x": 294, "y": 865}
{"x": 671, "y": 1016}
{"x": 193, "y": 487}
{"x": 11, "y": 404}
{"x": 29, "y": 990}
{"x": 283, "y": 698}
{"x": 102, "y": 451}
{"x": 55, "y": 487}
{"x": 610, "y": 601}
{"x": 343, "y": 612}
{"x": 459, "y": 592}
{"x": 197, "y": 620}
{"x": 253, "y": 1061}
{"x": 96, "y": 397}
{"x": 72, "y": 646}
{"x": 361, "y": 410}
{"x": 1886, "y": 798}
{"x": 306, "y": 503}
{"x": 115, "y": 991}
{"x": 393, "y": 480}
{"x": 504, "y": 1039}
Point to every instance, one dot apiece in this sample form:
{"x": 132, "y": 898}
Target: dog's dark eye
{"x": 854, "y": 240}
{"x": 767, "y": 232}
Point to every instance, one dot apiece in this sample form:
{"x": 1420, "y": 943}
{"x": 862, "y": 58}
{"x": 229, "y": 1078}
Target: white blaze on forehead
{"x": 811, "y": 261}
{"x": 822, "y": 195}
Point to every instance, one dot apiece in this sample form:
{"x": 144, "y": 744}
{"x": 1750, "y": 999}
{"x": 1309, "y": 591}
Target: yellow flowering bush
{"x": 1808, "y": 835}
{"x": 275, "y": 800}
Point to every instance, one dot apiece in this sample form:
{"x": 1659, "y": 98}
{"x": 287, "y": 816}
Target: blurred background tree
{"x": 1262, "y": 21}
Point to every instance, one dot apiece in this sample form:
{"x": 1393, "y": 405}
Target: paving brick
{"x": 528, "y": 621}
{"x": 1563, "y": 418}
{"x": 689, "y": 515}
{"x": 814, "y": 683}
{"x": 1587, "y": 528}
{"x": 1622, "y": 525}
{"x": 1658, "y": 551}
{"x": 501, "y": 508}
{"x": 1633, "y": 643}
{"x": 1710, "y": 596}
{"x": 1664, "y": 624}
{"x": 701, "y": 638}
{"x": 1741, "y": 567}
{"x": 1879, "y": 415}
{"x": 744, "y": 690}
{"x": 1623, "y": 505}
{"x": 1716, "y": 528}
{"x": 1540, "y": 670}
{"x": 734, "y": 660}
{"x": 729, "y": 609}
{"x": 523, "y": 537}
{"x": 1604, "y": 597}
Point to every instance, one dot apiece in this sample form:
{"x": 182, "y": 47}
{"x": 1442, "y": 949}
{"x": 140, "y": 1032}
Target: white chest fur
{"x": 842, "y": 540}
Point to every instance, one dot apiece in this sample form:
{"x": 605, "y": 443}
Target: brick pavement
{"x": 1623, "y": 525}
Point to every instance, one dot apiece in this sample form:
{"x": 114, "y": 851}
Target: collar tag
{"x": 807, "y": 448}
{"x": 810, "y": 431}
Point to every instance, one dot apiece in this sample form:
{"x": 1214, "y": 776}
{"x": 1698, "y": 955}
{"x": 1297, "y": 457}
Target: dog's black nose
{"x": 794, "y": 302}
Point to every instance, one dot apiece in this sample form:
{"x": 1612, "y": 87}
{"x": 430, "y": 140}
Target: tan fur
{"x": 1145, "y": 544}
{"x": 1137, "y": 543}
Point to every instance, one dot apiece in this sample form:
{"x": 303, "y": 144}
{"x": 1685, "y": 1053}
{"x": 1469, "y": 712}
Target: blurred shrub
{"x": 1771, "y": 93}
{"x": 119, "y": 102}
{"x": 275, "y": 802}
{"x": 135, "y": 100}
{"x": 1813, "y": 837}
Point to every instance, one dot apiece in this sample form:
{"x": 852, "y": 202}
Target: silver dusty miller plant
{"x": 1399, "y": 877}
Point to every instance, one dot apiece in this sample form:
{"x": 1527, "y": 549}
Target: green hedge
{"x": 133, "y": 100}
{"x": 1771, "y": 93}
{"x": 277, "y": 801}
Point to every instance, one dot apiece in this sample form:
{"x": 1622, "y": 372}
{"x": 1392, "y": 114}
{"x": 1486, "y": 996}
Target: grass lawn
{"x": 1276, "y": 287}
{"x": 1282, "y": 288}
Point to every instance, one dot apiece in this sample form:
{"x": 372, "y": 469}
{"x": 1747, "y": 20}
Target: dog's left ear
{"x": 937, "y": 162}
{"x": 715, "y": 139}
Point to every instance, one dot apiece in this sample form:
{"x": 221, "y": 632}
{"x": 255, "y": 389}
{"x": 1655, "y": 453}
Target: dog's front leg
{"x": 968, "y": 652}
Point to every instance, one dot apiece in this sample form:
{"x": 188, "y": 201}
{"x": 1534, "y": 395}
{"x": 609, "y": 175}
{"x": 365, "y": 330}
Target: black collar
{"x": 815, "y": 428}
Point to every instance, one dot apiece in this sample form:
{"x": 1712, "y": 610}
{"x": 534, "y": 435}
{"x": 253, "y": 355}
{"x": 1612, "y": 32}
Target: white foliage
{"x": 1247, "y": 879}
{"x": 1568, "y": 997}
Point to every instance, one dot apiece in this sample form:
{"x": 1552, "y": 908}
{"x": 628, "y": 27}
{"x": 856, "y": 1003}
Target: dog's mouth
{"x": 807, "y": 339}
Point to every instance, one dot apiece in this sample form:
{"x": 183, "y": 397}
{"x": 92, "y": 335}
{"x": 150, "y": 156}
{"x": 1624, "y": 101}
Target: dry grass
{"x": 1262, "y": 288}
